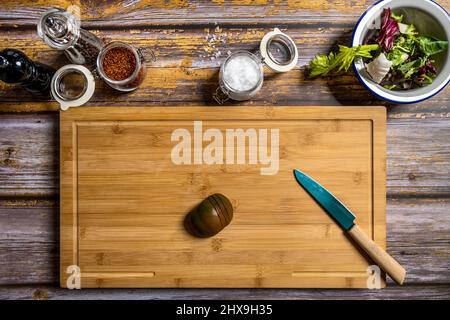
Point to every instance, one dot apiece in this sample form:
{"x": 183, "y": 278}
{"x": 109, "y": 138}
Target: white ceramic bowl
{"x": 430, "y": 19}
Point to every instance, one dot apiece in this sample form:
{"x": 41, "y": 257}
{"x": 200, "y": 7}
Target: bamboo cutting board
{"x": 124, "y": 195}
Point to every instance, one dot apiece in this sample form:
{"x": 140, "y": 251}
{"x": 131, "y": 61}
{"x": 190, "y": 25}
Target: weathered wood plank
{"x": 23, "y": 13}
{"x": 418, "y": 236}
{"x": 29, "y": 155}
{"x": 45, "y": 292}
{"x": 435, "y": 108}
{"x": 418, "y": 156}
{"x": 188, "y": 65}
{"x": 187, "y": 68}
{"x": 29, "y": 241}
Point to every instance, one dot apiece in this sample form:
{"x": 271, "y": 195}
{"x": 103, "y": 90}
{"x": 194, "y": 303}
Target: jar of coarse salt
{"x": 242, "y": 73}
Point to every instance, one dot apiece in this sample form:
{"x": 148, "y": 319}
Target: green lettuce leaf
{"x": 406, "y": 43}
{"x": 323, "y": 64}
{"x": 390, "y": 86}
{"x": 397, "y": 56}
{"x": 410, "y": 68}
{"x": 427, "y": 79}
{"x": 396, "y": 17}
{"x": 411, "y": 30}
{"x": 430, "y": 46}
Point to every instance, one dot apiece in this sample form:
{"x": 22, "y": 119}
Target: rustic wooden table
{"x": 190, "y": 39}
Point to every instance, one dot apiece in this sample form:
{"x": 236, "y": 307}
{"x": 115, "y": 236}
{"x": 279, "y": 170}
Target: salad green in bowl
{"x": 405, "y": 58}
{"x": 407, "y": 41}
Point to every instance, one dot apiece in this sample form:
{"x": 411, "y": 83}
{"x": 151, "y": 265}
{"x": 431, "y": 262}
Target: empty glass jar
{"x": 61, "y": 30}
{"x": 72, "y": 86}
{"x": 242, "y": 74}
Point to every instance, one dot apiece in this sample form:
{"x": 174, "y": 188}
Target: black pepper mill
{"x": 17, "y": 68}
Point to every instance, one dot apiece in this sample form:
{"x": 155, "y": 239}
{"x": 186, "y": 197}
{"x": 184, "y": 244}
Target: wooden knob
{"x": 210, "y": 216}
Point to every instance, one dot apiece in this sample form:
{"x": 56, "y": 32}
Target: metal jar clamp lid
{"x": 282, "y": 42}
{"x": 72, "y": 86}
{"x": 277, "y": 51}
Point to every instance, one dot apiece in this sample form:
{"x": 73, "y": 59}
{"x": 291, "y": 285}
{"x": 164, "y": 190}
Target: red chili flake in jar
{"x": 119, "y": 63}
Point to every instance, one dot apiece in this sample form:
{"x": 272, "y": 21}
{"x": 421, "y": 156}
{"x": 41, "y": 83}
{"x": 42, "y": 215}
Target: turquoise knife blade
{"x": 345, "y": 219}
{"x": 335, "y": 208}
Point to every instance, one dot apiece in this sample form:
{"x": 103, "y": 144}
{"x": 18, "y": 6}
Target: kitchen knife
{"x": 345, "y": 218}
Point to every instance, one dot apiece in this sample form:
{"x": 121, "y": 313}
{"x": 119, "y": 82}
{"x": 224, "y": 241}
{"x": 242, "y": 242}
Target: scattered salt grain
{"x": 213, "y": 42}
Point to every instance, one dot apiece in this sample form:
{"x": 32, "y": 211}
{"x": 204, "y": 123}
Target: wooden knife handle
{"x": 378, "y": 255}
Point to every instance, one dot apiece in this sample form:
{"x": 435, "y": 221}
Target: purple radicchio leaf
{"x": 428, "y": 67}
{"x": 431, "y": 67}
{"x": 389, "y": 29}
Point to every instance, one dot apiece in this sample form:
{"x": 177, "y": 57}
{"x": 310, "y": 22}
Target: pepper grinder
{"x": 61, "y": 30}
{"x": 17, "y": 68}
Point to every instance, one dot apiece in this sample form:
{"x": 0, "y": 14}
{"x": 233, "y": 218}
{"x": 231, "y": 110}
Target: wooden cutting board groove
{"x": 124, "y": 198}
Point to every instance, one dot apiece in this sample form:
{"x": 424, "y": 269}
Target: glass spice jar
{"x": 72, "y": 86}
{"x": 61, "y": 30}
{"x": 122, "y": 66}
{"x": 242, "y": 74}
